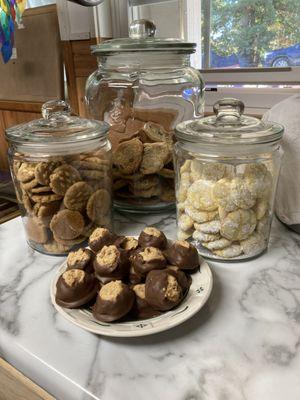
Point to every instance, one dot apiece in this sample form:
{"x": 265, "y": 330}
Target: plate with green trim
{"x": 197, "y": 296}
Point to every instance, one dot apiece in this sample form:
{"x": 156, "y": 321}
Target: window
{"x": 38, "y": 3}
{"x": 250, "y": 33}
{"x": 251, "y": 50}
{"x": 248, "y": 49}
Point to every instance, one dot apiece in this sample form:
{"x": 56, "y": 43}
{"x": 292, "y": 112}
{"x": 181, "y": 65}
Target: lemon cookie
{"x": 222, "y": 195}
{"x": 217, "y": 244}
{"x": 258, "y": 179}
{"x": 253, "y": 244}
{"x": 209, "y": 227}
{"x": 238, "y": 225}
{"x": 229, "y": 252}
{"x": 185, "y": 222}
{"x": 200, "y": 195}
{"x": 200, "y": 216}
{"x": 205, "y": 237}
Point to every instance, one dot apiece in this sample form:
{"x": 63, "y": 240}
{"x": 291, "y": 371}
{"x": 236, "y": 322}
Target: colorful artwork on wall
{"x": 10, "y": 12}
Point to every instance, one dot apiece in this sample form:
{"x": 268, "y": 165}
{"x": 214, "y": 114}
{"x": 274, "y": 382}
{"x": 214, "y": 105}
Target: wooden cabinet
{"x": 13, "y": 113}
{"x": 16, "y": 386}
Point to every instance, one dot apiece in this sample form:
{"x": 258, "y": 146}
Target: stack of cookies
{"x": 225, "y": 209}
{"x": 63, "y": 199}
{"x": 122, "y": 276}
{"x": 142, "y": 144}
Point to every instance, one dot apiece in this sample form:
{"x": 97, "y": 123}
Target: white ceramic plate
{"x": 202, "y": 282}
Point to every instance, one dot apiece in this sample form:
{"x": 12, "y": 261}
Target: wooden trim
{"x": 16, "y": 386}
{"x": 24, "y": 106}
{"x": 51, "y": 8}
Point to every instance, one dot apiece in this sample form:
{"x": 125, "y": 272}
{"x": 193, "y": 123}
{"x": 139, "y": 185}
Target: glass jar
{"x": 143, "y": 87}
{"x": 61, "y": 168}
{"x": 227, "y": 168}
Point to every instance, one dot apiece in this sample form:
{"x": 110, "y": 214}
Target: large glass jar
{"x": 61, "y": 168}
{"x": 143, "y": 87}
{"x": 226, "y": 175}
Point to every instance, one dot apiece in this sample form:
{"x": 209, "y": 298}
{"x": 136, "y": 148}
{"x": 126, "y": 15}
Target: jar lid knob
{"x": 56, "y": 109}
{"x": 228, "y": 110}
{"x": 141, "y": 29}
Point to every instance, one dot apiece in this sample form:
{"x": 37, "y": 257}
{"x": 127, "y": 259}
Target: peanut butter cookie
{"x": 154, "y": 158}
{"x": 62, "y": 178}
{"x": 36, "y": 230}
{"x": 77, "y": 196}
{"x": 67, "y": 224}
{"x": 43, "y": 170}
{"x": 26, "y": 172}
{"x": 128, "y": 156}
{"x": 98, "y": 205}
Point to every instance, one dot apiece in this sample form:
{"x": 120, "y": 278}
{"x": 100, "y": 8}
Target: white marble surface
{"x": 244, "y": 345}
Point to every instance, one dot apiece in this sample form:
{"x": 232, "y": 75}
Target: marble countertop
{"x": 244, "y": 345}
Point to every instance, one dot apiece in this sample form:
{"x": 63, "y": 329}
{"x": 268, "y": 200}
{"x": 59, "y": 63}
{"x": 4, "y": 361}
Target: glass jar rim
{"x": 229, "y": 127}
{"x": 56, "y": 128}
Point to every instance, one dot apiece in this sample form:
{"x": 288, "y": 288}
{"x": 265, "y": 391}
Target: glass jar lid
{"x": 56, "y": 128}
{"x": 229, "y": 127}
{"x": 142, "y": 38}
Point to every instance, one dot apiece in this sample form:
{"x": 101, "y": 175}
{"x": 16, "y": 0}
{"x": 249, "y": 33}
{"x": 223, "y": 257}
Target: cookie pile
{"x": 63, "y": 199}
{"x": 142, "y": 158}
{"x": 225, "y": 208}
{"x": 122, "y": 276}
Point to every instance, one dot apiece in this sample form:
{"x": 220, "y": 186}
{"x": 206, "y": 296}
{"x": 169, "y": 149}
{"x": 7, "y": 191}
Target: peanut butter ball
{"x": 114, "y": 301}
{"x": 162, "y": 290}
{"x": 182, "y": 254}
{"x": 75, "y": 288}
{"x": 111, "y": 263}
{"x": 152, "y": 237}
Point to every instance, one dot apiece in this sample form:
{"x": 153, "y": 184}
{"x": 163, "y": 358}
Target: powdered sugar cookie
{"x": 263, "y": 226}
{"x": 205, "y": 237}
{"x": 185, "y": 183}
{"x": 222, "y": 195}
{"x": 209, "y": 227}
{"x": 258, "y": 179}
{"x": 185, "y": 222}
{"x": 217, "y": 244}
{"x": 222, "y": 212}
{"x": 240, "y": 193}
{"x": 181, "y": 207}
{"x": 238, "y": 225}
{"x": 261, "y": 208}
{"x": 253, "y": 244}
{"x": 186, "y": 166}
{"x": 200, "y": 216}
{"x": 213, "y": 171}
{"x": 200, "y": 195}
{"x": 183, "y": 235}
{"x": 229, "y": 252}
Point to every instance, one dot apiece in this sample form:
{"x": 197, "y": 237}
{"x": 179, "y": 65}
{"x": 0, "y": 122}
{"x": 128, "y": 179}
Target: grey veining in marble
{"x": 244, "y": 345}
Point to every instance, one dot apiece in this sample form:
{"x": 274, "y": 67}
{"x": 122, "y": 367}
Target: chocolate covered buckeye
{"x": 111, "y": 263}
{"x": 134, "y": 277}
{"x": 81, "y": 259}
{"x": 162, "y": 290}
{"x": 127, "y": 243}
{"x": 152, "y": 237}
{"x": 100, "y": 237}
{"x": 182, "y": 254}
{"x": 183, "y": 279}
{"x": 75, "y": 288}
{"x": 114, "y": 301}
{"x": 148, "y": 259}
{"x": 141, "y": 308}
